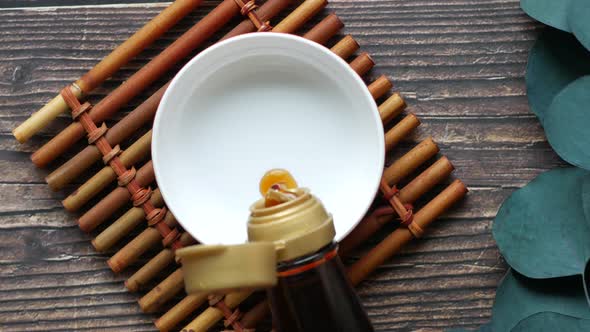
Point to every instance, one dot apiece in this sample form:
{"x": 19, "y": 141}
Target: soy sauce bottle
{"x": 290, "y": 252}
{"x": 314, "y": 294}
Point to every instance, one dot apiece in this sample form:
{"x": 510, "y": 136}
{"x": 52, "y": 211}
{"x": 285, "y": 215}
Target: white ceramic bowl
{"x": 262, "y": 101}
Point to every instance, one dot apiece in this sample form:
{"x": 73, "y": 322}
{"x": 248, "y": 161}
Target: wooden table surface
{"x": 460, "y": 65}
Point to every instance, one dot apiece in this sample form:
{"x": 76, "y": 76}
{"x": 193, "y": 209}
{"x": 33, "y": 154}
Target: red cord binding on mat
{"x": 404, "y": 211}
{"x": 126, "y": 177}
{"x": 232, "y": 318}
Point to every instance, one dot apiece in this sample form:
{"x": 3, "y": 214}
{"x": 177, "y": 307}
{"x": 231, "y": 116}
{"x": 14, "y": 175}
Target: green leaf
{"x": 579, "y": 20}
{"x": 519, "y": 298}
{"x": 550, "y": 12}
{"x": 586, "y": 198}
{"x": 555, "y": 60}
{"x": 551, "y": 322}
{"x": 541, "y": 229}
{"x": 567, "y": 123}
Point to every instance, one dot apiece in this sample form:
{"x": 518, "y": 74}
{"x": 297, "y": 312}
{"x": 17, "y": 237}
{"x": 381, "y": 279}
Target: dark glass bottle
{"x": 314, "y": 294}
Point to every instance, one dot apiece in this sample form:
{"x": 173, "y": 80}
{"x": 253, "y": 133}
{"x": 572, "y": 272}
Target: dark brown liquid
{"x": 320, "y": 299}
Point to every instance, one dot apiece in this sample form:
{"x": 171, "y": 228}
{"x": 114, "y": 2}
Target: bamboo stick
{"x": 124, "y": 225}
{"x": 160, "y": 64}
{"x": 362, "y": 64}
{"x": 147, "y": 239}
{"x": 132, "y": 155}
{"x": 410, "y": 161}
{"x": 120, "y": 196}
{"x": 186, "y": 306}
{"x": 380, "y": 86}
{"x": 212, "y": 315}
{"x": 326, "y": 29}
{"x": 160, "y": 294}
{"x": 438, "y": 171}
{"x": 391, "y": 107}
{"x": 299, "y": 16}
{"x": 155, "y": 265}
{"x": 400, "y": 130}
{"x": 107, "y": 66}
{"x": 144, "y": 112}
{"x": 345, "y": 47}
{"x": 392, "y": 244}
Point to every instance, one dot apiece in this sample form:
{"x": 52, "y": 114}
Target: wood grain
{"x": 458, "y": 63}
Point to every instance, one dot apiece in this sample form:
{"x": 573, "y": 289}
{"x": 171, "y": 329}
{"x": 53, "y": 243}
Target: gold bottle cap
{"x": 278, "y": 233}
{"x": 228, "y": 268}
{"x": 297, "y": 228}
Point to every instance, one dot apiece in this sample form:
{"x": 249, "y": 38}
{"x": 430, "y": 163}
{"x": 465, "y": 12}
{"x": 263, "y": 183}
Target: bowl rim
{"x": 374, "y": 111}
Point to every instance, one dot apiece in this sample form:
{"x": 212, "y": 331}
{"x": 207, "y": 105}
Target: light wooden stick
{"x": 180, "y": 311}
{"x": 392, "y": 244}
{"x": 139, "y": 245}
{"x": 300, "y": 15}
{"x": 108, "y": 66}
{"x": 124, "y": 225}
{"x": 391, "y": 107}
{"x": 403, "y": 166}
{"x": 131, "y": 156}
{"x": 212, "y": 315}
{"x": 345, "y": 47}
{"x": 402, "y": 129}
{"x": 155, "y": 265}
{"x": 165, "y": 290}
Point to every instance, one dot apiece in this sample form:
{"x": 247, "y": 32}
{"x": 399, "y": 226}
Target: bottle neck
{"x": 307, "y": 262}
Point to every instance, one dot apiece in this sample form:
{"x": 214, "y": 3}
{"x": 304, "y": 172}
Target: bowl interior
{"x": 258, "y": 102}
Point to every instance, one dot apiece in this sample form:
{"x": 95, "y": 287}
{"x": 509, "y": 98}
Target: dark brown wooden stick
{"x": 380, "y": 86}
{"x": 326, "y": 29}
{"x": 362, "y": 64}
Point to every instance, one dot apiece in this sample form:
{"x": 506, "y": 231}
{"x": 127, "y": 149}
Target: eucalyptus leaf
{"x": 551, "y": 12}
{"x": 567, "y": 123}
{"x": 586, "y": 198}
{"x": 541, "y": 229}
{"x": 555, "y": 60}
{"x": 519, "y": 298}
{"x": 579, "y": 20}
{"x": 552, "y": 322}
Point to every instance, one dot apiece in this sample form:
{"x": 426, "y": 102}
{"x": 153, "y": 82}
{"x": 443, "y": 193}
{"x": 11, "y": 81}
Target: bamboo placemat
{"x": 147, "y": 205}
